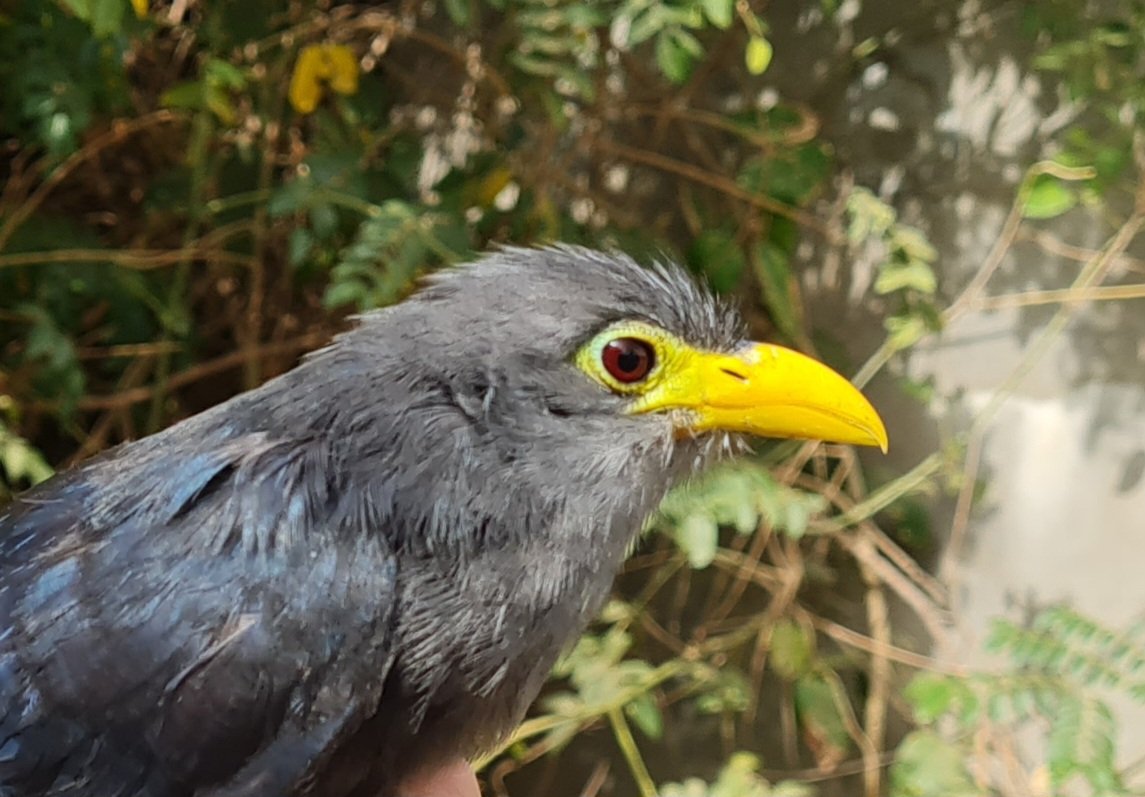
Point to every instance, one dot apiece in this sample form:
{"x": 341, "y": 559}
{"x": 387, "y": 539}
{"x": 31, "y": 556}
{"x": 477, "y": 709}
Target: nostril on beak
{"x": 734, "y": 374}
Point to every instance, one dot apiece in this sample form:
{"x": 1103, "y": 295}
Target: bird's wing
{"x": 176, "y": 618}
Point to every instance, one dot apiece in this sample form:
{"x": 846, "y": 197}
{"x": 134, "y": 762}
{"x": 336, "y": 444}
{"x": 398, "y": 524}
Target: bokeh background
{"x": 943, "y": 198}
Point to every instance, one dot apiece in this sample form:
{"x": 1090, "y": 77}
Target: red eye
{"x": 627, "y": 359}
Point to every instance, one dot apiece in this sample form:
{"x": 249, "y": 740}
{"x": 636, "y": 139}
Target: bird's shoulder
{"x": 185, "y": 591}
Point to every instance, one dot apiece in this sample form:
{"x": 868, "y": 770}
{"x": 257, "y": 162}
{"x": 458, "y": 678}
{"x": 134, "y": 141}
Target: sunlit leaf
{"x": 931, "y": 695}
{"x": 729, "y": 691}
{"x": 912, "y": 244}
{"x": 1048, "y": 197}
{"x": 928, "y": 766}
{"x": 905, "y": 330}
{"x": 676, "y": 53}
{"x": 719, "y": 12}
{"x": 870, "y": 216}
{"x": 19, "y": 461}
{"x": 916, "y": 275}
{"x": 645, "y": 715}
{"x": 697, "y": 537}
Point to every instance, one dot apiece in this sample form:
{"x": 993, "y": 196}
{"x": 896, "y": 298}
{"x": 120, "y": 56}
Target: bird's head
{"x": 541, "y": 370}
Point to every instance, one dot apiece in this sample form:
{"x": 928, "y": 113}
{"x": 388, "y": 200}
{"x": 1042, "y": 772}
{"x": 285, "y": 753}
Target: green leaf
{"x": 291, "y": 197}
{"x": 224, "y": 74}
{"x": 104, "y": 16}
{"x": 931, "y": 695}
{"x": 870, "y": 216}
{"x": 107, "y": 17}
{"x": 719, "y": 12}
{"x": 737, "y": 495}
{"x": 717, "y": 256}
{"x": 674, "y": 55}
{"x": 818, "y": 712}
{"x": 218, "y": 102}
{"x": 697, "y": 537}
{"x": 460, "y": 12}
{"x": 928, "y": 766}
{"x": 323, "y": 220}
{"x": 300, "y": 246}
{"x": 916, "y": 275}
{"x": 647, "y": 23}
{"x": 773, "y": 270}
{"x": 729, "y": 691}
{"x": 1048, "y": 197}
{"x": 905, "y": 330}
{"x": 740, "y": 778}
{"x": 645, "y": 715}
{"x": 912, "y": 244}
{"x": 791, "y": 650}
{"x": 183, "y": 95}
{"x": 19, "y": 461}
{"x": 1081, "y": 743}
{"x": 757, "y": 57}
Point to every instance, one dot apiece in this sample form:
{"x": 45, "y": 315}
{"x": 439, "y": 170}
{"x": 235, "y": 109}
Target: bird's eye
{"x": 627, "y": 360}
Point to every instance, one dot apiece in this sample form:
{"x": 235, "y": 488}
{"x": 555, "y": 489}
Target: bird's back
{"x": 169, "y": 626}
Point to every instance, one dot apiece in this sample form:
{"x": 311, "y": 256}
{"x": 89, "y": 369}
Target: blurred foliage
{"x": 738, "y": 778}
{"x": 1063, "y": 670}
{"x": 739, "y": 497}
{"x": 194, "y": 194}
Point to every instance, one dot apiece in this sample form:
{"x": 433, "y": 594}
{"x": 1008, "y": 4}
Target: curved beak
{"x": 765, "y": 390}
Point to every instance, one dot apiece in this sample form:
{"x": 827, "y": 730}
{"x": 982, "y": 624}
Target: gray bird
{"x": 366, "y": 567}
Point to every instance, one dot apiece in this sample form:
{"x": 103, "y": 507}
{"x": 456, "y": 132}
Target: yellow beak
{"x": 764, "y": 390}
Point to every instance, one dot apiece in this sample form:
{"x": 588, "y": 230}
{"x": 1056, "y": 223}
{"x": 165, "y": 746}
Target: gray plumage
{"x": 363, "y": 567}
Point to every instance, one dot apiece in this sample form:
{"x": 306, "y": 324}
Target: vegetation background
{"x": 193, "y": 194}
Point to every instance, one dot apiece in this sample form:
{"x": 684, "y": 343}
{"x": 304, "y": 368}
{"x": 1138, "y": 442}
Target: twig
{"x": 1092, "y": 274}
{"x": 852, "y": 638}
{"x": 863, "y": 550}
{"x": 596, "y": 780}
{"x": 846, "y": 711}
{"x": 973, "y": 290}
{"x": 716, "y": 181}
{"x": 192, "y": 374}
{"x": 911, "y": 481}
{"x": 807, "y": 129}
{"x": 550, "y": 722}
{"x": 126, "y": 350}
{"x": 631, "y": 752}
{"x": 817, "y": 774}
{"x": 1049, "y": 242}
{"x": 1102, "y": 293}
{"x": 119, "y": 130}
{"x": 875, "y": 706}
{"x": 137, "y": 259}
{"x": 793, "y": 573}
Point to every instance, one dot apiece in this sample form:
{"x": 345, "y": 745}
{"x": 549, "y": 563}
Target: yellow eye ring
{"x": 628, "y": 357}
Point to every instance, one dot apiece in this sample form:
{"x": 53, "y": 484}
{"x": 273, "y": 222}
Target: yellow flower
{"x": 318, "y": 65}
{"x": 141, "y": 7}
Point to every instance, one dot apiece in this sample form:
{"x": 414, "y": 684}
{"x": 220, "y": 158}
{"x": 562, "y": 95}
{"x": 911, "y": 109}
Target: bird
{"x": 366, "y": 567}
